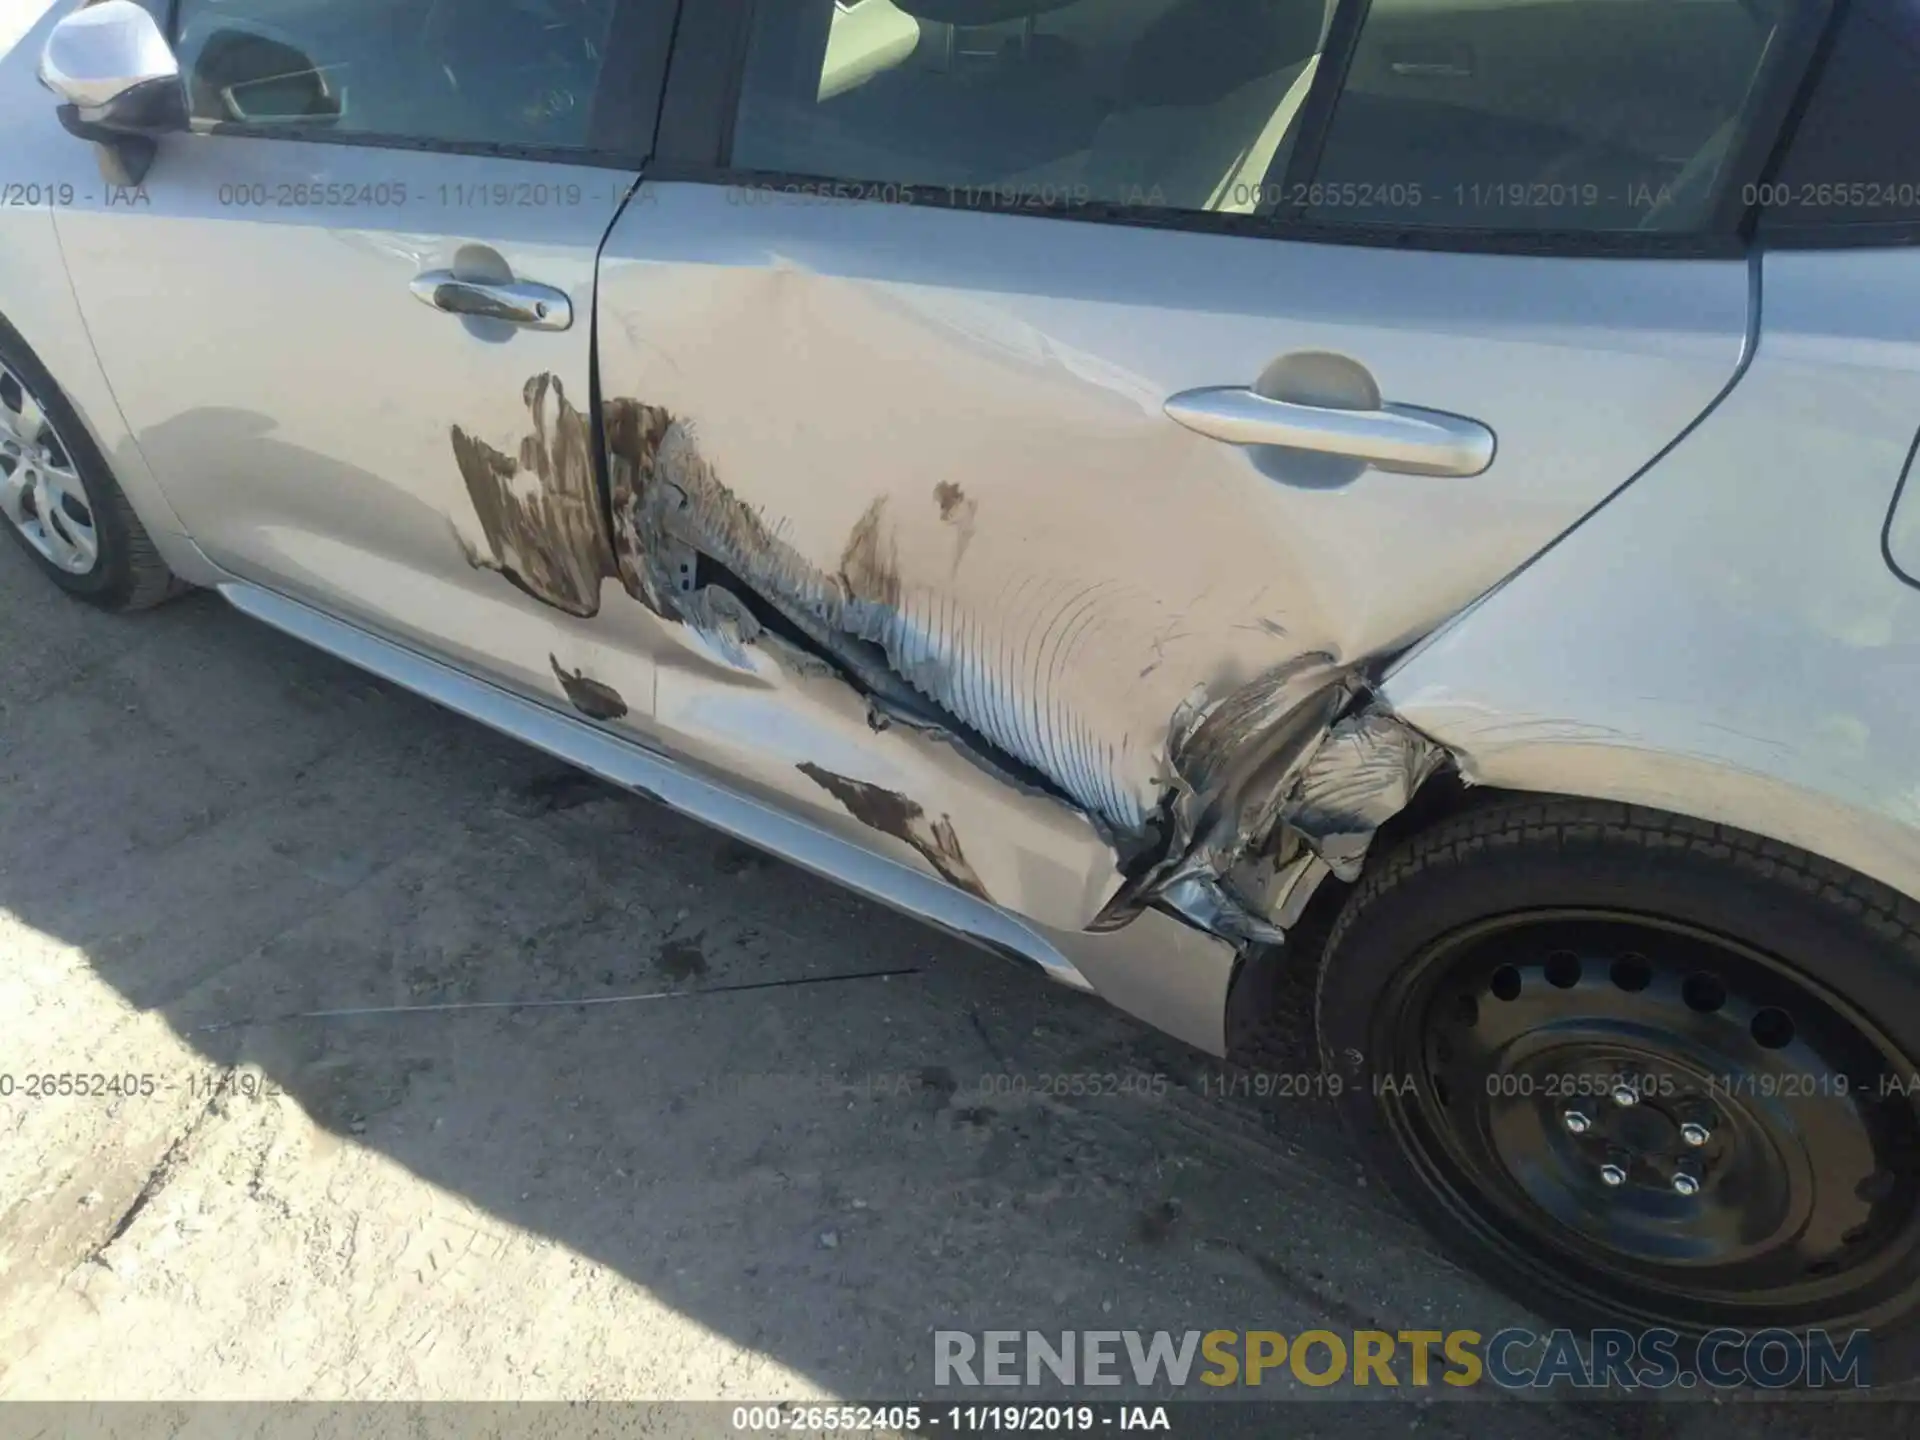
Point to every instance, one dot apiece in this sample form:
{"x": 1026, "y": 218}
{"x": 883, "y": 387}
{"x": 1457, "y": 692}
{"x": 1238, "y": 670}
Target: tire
{"x": 127, "y": 572}
{"x": 1538, "y": 1008}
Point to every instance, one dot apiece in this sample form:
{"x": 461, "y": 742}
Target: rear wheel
{"x": 1640, "y": 1070}
{"x": 59, "y": 500}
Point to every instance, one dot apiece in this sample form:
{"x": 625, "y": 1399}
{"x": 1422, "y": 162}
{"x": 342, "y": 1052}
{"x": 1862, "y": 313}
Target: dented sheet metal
{"x": 897, "y": 765}
{"x": 1238, "y": 766}
{"x": 691, "y": 549}
{"x": 1364, "y": 772}
{"x": 1188, "y": 803}
{"x": 1158, "y": 712}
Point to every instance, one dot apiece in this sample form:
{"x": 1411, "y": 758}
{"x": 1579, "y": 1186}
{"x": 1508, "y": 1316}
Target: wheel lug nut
{"x": 1695, "y": 1134}
{"x": 1611, "y": 1174}
{"x": 1624, "y": 1095}
{"x": 1686, "y": 1185}
{"x": 1576, "y": 1123}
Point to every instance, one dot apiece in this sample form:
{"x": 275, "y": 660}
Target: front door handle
{"x": 537, "y": 307}
{"x": 1401, "y": 438}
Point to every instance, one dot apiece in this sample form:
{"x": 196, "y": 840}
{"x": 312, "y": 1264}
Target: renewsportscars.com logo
{"x": 1510, "y": 1359}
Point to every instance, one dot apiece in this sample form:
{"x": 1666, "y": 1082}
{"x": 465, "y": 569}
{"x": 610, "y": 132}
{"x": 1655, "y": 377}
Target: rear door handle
{"x": 1401, "y": 438}
{"x": 537, "y": 307}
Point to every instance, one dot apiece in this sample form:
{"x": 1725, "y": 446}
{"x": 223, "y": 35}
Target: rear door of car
{"x": 940, "y": 352}
{"x": 257, "y": 302}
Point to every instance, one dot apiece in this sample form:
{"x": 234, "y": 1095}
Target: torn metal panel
{"x": 1231, "y": 767}
{"x": 540, "y": 508}
{"x": 1309, "y": 794}
{"x": 783, "y": 646}
{"x": 1235, "y": 767}
{"x": 676, "y": 522}
{"x": 1364, "y": 773}
{"x": 922, "y": 658}
{"x": 1203, "y": 900}
{"x": 671, "y": 513}
{"x": 1034, "y": 691}
{"x": 1098, "y": 612}
{"x": 1233, "y": 760}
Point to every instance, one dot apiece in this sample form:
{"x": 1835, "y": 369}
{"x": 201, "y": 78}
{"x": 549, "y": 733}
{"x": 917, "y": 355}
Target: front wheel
{"x": 1641, "y": 1071}
{"x": 60, "y": 501}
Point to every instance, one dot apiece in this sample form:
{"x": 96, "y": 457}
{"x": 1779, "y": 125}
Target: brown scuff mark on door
{"x": 870, "y": 565}
{"x": 591, "y": 698}
{"x": 690, "y": 550}
{"x": 957, "y": 509}
{"x": 540, "y": 509}
{"x": 891, "y": 814}
{"x": 634, "y": 434}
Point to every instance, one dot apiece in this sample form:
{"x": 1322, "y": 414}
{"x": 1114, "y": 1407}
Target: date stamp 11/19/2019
{"x": 208, "y": 1083}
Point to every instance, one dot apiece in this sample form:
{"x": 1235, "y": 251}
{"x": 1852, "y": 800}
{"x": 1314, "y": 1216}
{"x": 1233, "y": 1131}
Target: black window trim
{"x": 1323, "y": 97}
{"x": 1797, "y": 71}
{"x": 621, "y": 126}
{"x": 695, "y": 141}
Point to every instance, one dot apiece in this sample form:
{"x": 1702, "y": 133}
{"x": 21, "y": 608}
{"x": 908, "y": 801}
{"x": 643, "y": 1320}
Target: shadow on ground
{"x": 233, "y": 828}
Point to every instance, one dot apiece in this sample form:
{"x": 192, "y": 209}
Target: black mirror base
{"x": 124, "y": 158}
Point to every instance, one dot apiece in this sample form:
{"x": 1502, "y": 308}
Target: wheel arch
{"x": 1262, "y": 972}
{"x": 1689, "y": 758}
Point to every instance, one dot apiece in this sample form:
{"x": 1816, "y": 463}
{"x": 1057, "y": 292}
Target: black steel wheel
{"x": 1641, "y": 1071}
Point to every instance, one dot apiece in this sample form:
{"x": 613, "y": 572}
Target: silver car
{"x": 1174, "y": 491}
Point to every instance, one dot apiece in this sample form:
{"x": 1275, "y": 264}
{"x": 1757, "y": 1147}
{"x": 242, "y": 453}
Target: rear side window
{"x": 1505, "y": 115}
{"x": 508, "y": 72}
{"x": 1188, "y": 105}
{"x": 1557, "y": 115}
{"x": 1852, "y": 170}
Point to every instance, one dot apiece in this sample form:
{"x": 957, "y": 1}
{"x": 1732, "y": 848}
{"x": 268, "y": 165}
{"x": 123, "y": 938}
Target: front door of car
{"x": 1025, "y": 417}
{"x": 352, "y": 326}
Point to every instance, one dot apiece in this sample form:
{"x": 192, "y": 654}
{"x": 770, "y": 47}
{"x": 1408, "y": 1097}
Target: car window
{"x": 509, "y": 72}
{"x": 1483, "y": 114}
{"x": 1186, "y": 104}
{"x": 1545, "y": 114}
{"x": 1852, "y": 169}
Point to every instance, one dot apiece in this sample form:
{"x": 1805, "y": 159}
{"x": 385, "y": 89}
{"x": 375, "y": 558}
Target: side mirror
{"x": 118, "y": 81}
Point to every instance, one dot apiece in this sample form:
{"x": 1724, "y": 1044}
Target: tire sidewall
{"x": 1441, "y": 883}
{"x": 110, "y": 579}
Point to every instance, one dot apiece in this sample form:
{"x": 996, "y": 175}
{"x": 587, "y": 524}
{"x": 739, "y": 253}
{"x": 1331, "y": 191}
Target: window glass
{"x": 1486, "y": 114}
{"x": 1855, "y": 159}
{"x": 513, "y": 72}
{"x": 1544, "y": 114}
{"x": 1181, "y": 103}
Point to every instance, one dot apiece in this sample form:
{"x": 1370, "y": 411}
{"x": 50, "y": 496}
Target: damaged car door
{"x": 1028, "y": 423}
{"x": 348, "y": 311}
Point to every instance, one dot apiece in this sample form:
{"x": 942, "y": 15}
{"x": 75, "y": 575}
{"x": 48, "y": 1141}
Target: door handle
{"x": 1401, "y": 438}
{"x": 537, "y": 307}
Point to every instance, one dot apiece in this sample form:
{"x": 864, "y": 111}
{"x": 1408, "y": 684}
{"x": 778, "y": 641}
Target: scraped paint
{"x": 881, "y": 809}
{"x": 539, "y": 508}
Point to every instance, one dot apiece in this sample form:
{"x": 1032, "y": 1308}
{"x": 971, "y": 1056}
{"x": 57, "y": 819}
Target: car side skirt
{"x": 1157, "y": 968}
